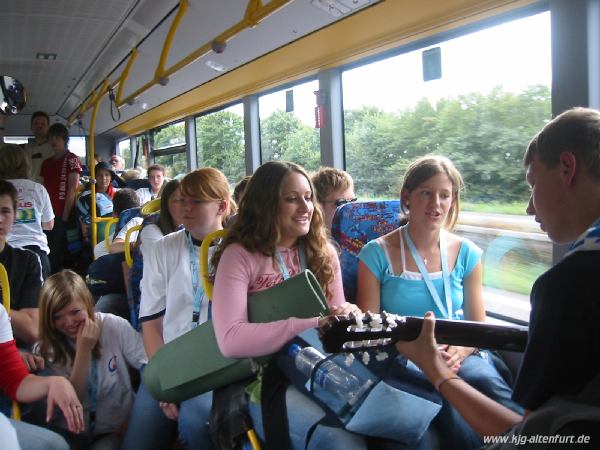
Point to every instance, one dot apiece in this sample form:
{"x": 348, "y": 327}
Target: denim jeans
{"x": 32, "y": 437}
{"x": 302, "y": 413}
{"x": 479, "y": 372}
{"x": 150, "y": 429}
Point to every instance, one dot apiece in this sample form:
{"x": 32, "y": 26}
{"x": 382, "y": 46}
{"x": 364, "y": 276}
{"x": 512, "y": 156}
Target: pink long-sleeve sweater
{"x": 241, "y": 274}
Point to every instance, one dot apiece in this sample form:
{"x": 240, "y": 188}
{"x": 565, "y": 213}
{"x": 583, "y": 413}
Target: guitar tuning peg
{"x": 349, "y": 359}
{"x": 365, "y": 357}
{"x": 381, "y": 356}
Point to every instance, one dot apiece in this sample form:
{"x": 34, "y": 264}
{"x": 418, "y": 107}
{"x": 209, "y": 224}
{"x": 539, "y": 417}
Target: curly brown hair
{"x": 256, "y": 226}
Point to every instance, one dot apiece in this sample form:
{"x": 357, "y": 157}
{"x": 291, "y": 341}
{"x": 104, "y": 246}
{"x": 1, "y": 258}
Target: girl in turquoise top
{"x": 422, "y": 266}
{"x": 389, "y": 277}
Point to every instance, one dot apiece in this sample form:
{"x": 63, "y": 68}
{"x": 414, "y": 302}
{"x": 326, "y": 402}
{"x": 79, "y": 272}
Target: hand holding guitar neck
{"x": 358, "y": 332}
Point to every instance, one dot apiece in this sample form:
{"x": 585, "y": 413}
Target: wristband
{"x": 438, "y": 383}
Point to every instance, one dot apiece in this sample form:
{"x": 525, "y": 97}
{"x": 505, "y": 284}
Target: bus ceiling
{"x": 64, "y": 52}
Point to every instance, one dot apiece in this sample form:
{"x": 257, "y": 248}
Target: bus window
{"x": 492, "y": 97}
{"x": 287, "y": 126}
{"x": 220, "y": 142}
{"x": 125, "y": 152}
{"x": 169, "y": 149}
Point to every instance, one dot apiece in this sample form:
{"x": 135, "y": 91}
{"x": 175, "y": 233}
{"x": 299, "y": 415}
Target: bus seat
{"x": 355, "y": 224}
{"x": 138, "y": 183}
{"x": 135, "y": 272}
{"x": 16, "y": 411}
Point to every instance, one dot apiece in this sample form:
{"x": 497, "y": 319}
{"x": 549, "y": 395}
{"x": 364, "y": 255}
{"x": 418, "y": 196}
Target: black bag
{"x": 105, "y": 275}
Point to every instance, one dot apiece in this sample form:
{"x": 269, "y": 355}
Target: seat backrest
{"x": 138, "y": 183}
{"x": 355, "y": 224}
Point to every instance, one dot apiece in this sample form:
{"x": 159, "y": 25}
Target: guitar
{"x": 367, "y": 331}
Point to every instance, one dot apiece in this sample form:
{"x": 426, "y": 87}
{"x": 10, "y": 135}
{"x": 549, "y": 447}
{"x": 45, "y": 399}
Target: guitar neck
{"x": 343, "y": 334}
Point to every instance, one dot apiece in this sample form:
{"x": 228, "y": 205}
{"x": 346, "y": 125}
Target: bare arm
{"x": 474, "y": 309}
{"x": 473, "y": 306}
{"x": 48, "y": 225}
{"x": 59, "y": 392}
{"x": 485, "y": 415}
{"x": 152, "y": 335}
{"x": 25, "y": 324}
{"x": 368, "y": 294}
{"x": 117, "y": 246}
{"x": 87, "y": 337}
{"x": 72, "y": 185}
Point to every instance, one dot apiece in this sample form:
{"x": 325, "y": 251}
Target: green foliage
{"x": 516, "y": 208}
{"x": 283, "y": 136}
{"x": 169, "y": 136}
{"x": 220, "y": 143}
{"x": 484, "y": 135}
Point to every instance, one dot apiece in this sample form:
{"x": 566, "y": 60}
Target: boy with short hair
{"x": 156, "y": 177}
{"x": 24, "y": 273}
{"x": 333, "y": 187}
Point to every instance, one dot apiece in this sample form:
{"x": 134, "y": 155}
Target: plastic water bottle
{"x": 330, "y": 376}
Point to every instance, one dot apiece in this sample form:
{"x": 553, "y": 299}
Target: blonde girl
{"x": 94, "y": 351}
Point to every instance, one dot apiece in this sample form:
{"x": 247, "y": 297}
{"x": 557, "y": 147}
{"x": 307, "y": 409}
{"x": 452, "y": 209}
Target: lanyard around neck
{"x": 285, "y": 273}
{"x": 197, "y": 288}
{"x": 92, "y": 391}
{"x": 447, "y": 311}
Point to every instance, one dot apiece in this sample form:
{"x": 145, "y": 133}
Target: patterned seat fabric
{"x": 355, "y": 224}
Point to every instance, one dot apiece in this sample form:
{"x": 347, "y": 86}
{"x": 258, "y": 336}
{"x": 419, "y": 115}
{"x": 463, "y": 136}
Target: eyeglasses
{"x": 341, "y": 201}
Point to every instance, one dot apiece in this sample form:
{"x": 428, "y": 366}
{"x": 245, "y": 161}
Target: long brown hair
{"x": 165, "y": 221}
{"x": 256, "y": 226}
{"x": 57, "y": 292}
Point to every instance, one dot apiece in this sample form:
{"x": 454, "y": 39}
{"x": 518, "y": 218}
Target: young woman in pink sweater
{"x": 278, "y": 233}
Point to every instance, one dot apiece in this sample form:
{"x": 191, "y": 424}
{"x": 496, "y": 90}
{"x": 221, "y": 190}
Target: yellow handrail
{"x": 16, "y": 411}
{"x": 164, "y": 55}
{"x": 150, "y": 207}
{"x": 107, "y": 232}
{"x": 125, "y": 75}
{"x": 95, "y": 220}
{"x": 128, "y": 258}
{"x": 206, "y": 242}
{"x": 255, "y": 12}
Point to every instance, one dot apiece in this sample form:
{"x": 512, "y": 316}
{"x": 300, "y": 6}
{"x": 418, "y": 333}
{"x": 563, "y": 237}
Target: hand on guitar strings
{"x": 425, "y": 352}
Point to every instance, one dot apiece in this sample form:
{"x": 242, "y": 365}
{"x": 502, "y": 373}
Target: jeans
{"x": 57, "y": 242}
{"x": 32, "y": 437}
{"x": 302, "y": 413}
{"x": 479, "y": 372}
{"x": 150, "y": 429}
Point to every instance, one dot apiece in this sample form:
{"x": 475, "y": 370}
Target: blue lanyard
{"x": 197, "y": 288}
{"x": 281, "y": 263}
{"x": 92, "y": 391}
{"x": 425, "y": 274}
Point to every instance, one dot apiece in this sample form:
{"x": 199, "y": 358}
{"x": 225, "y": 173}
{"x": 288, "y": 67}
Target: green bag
{"x": 193, "y": 364}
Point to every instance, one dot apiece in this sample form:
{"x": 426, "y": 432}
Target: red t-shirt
{"x": 12, "y": 368}
{"x": 56, "y": 175}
